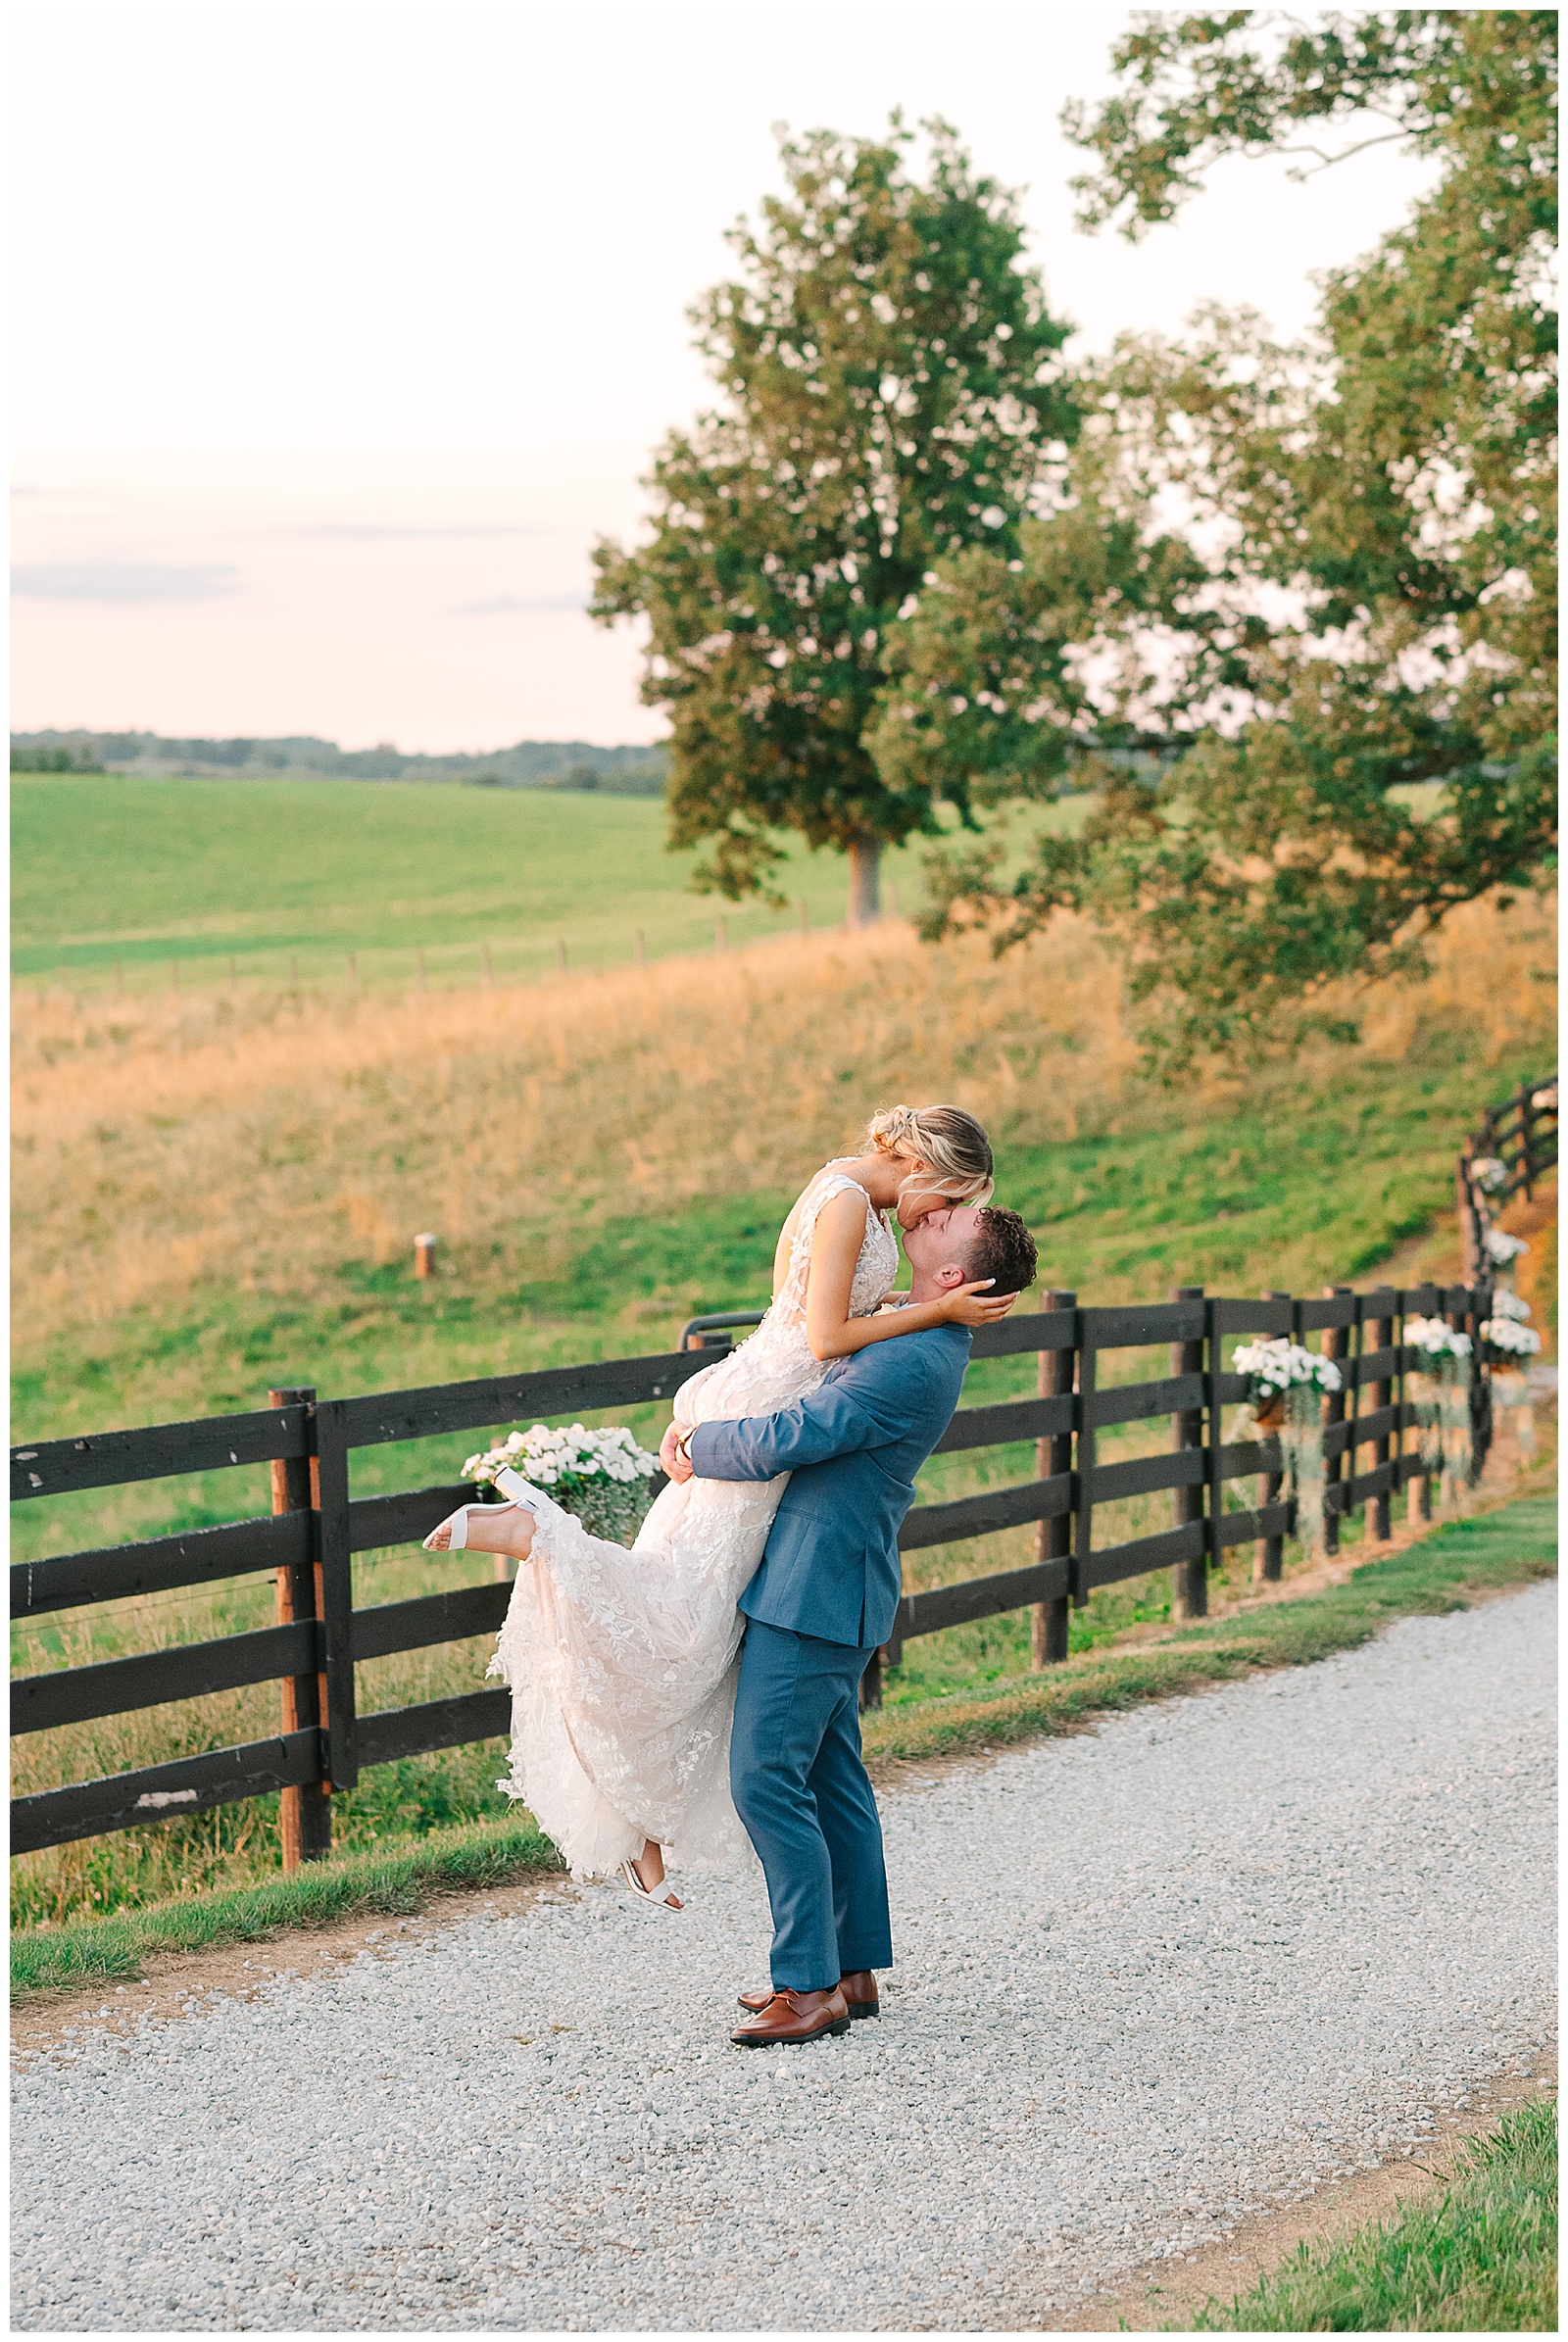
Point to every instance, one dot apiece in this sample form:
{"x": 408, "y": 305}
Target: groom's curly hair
{"x": 1002, "y": 1248}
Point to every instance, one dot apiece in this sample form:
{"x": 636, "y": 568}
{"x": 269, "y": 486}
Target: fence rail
{"x": 315, "y": 1527}
{"x": 1520, "y": 1135}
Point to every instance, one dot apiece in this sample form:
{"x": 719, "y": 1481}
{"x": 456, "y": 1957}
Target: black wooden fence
{"x": 315, "y": 1528}
{"x": 1521, "y": 1134}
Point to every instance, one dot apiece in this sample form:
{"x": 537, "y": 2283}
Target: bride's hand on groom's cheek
{"x": 977, "y": 1303}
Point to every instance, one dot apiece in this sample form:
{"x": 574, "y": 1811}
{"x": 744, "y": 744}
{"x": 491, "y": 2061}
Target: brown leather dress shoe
{"x": 793, "y": 2017}
{"x": 859, "y": 1988}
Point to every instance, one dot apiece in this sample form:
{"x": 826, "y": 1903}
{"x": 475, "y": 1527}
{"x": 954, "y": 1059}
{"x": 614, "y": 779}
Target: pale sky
{"x": 341, "y": 332}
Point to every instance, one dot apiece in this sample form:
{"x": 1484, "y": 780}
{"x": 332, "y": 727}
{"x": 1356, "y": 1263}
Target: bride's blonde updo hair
{"x": 946, "y": 1138}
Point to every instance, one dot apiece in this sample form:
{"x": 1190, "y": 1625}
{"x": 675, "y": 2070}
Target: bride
{"x": 621, "y": 1663}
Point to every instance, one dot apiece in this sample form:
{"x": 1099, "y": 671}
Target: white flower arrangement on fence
{"x": 1440, "y": 1391}
{"x": 1436, "y": 1337}
{"x": 1283, "y": 1365}
{"x": 1287, "y": 1395}
{"x": 1489, "y": 1172}
{"x": 1509, "y": 1343}
{"x": 601, "y": 1476}
{"x": 1506, "y": 1335}
{"x": 1503, "y": 1250}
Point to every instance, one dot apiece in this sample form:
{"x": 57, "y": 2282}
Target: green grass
{"x": 1442, "y": 1572}
{"x": 351, "y": 1886}
{"x": 1479, "y": 2257}
{"x": 381, "y": 869}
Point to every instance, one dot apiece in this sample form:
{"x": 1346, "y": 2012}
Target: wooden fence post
{"x": 306, "y": 1811}
{"x": 1355, "y": 1350}
{"x": 1268, "y": 1554}
{"x": 1377, "y": 1512}
{"x": 1526, "y": 1107}
{"x": 1083, "y": 1527}
{"x": 1336, "y": 1346}
{"x": 1419, "y": 1480}
{"x": 1048, "y": 1622}
{"x": 1189, "y": 1595}
{"x": 336, "y": 1595}
{"x": 1469, "y": 1218}
{"x": 1482, "y": 1368}
{"x": 1417, "y": 1487}
{"x": 1477, "y": 1308}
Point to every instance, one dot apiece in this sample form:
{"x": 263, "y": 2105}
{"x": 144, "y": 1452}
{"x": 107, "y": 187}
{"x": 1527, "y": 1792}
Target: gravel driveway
{"x": 1151, "y": 1979}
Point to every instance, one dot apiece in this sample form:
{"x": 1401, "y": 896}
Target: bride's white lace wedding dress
{"x": 621, "y": 1661}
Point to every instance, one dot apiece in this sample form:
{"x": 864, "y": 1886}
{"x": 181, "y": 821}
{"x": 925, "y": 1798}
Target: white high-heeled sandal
{"x": 512, "y": 1484}
{"x": 651, "y": 1898}
{"x": 458, "y": 1524}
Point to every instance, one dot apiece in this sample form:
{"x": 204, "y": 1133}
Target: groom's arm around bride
{"x": 824, "y": 1598}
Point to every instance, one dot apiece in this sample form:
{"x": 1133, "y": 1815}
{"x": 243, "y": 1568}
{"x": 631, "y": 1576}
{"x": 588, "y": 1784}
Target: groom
{"x": 822, "y": 1602}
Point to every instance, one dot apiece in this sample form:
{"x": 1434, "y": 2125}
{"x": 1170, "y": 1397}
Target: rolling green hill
{"x": 296, "y": 874}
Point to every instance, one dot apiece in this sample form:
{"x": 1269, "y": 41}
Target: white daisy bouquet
{"x": 601, "y": 1476}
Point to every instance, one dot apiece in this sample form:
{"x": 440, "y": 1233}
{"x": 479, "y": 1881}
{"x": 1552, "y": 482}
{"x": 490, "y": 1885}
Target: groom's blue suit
{"x": 819, "y": 1605}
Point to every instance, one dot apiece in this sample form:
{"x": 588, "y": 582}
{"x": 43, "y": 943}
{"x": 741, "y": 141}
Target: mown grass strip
{"x": 1442, "y": 1572}
{"x": 115, "y": 1948}
{"x": 1479, "y": 2257}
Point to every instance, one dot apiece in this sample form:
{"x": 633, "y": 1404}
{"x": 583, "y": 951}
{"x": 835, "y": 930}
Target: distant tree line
{"x": 27, "y": 756}
{"x": 529, "y": 764}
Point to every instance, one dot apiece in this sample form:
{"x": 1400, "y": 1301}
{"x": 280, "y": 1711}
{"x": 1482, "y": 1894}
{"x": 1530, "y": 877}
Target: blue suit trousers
{"x": 801, "y": 1792}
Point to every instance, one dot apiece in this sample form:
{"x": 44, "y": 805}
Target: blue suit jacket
{"x": 830, "y": 1567}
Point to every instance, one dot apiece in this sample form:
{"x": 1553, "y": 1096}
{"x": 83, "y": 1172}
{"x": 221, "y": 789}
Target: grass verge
{"x": 1442, "y": 1572}
{"x": 1479, "y": 2257}
{"x": 114, "y": 1949}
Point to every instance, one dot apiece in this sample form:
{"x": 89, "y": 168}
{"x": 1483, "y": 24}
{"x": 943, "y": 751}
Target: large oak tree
{"x": 892, "y": 392}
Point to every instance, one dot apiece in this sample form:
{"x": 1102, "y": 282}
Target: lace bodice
{"x": 777, "y": 1364}
{"x": 875, "y": 1269}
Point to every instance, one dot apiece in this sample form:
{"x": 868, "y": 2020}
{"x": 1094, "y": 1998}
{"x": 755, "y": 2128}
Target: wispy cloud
{"x": 505, "y": 605}
{"x": 125, "y": 581}
{"x": 353, "y": 532}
